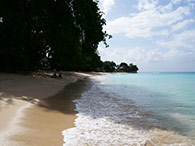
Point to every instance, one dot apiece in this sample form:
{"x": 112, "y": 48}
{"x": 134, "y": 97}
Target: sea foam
{"x": 105, "y": 119}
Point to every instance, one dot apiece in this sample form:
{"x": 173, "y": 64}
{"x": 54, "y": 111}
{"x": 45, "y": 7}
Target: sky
{"x": 156, "y": 35}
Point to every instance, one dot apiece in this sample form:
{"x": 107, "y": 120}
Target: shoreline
{"x": 29, "y": 103}
{"x": 106, "y": 119}
{"x": 51, "y": 116}
{"x": 43, "y": 118}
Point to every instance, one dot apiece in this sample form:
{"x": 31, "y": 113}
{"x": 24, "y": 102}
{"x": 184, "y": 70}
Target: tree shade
{"x": 50, "y": 34}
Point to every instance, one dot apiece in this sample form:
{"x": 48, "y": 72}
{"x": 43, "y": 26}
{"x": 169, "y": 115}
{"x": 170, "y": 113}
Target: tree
{"x": 133, "y": 68}
{"x": 109, "y": 66}
{"x": 123, "y": 67}
{"x": 63, "y": 33}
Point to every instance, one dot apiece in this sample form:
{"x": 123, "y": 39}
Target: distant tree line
{"x": 110, "y": 66}
{"x": 51, "y": 34}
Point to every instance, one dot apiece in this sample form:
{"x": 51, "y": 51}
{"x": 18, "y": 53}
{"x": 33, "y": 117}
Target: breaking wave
{"x": 105, "y": 119}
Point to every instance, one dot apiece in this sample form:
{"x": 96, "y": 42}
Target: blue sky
{"x": 157, "y": 35}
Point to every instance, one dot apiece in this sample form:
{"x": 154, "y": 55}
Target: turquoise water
{"x": 170, "y": 97}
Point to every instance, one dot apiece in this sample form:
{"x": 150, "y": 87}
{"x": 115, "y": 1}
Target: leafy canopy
{"x": 50, "y": 34}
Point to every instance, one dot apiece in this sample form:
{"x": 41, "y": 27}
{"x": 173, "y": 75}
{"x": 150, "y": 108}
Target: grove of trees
{"x": 110, "y": 66}
{"x": 50, "y": 34}
{"x": 53, "y": 34}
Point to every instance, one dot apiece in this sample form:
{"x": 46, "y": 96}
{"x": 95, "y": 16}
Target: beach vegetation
{"x": 111, "y": 66}
{"x": 108, "y": 66}
{"x": 124, "y": 67}
{"x": 53, "y": 35}
{"x": 50, "y": 34}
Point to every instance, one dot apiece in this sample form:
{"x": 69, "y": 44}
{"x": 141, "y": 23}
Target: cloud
{"x": 146, "y": 4}
{"x": 151, "y": 20}
{"x": 131, "y": 55}
{"x": 106, "y": 5}
{"x": 171, "y": 24}
{"x": 180, "y": 46}
{"x": 167, "y": 8}
{"x": 184, "y": 41}
{"x": 181, "y": 25}
{"x": 175, "y": 1}
{"x": 143, "y": 56}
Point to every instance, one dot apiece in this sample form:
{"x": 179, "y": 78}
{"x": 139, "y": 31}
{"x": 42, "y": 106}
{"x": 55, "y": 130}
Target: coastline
{"x": 106, "y": 118}
{"x": 33, "y": 109}
{"x": 49, "y": 115}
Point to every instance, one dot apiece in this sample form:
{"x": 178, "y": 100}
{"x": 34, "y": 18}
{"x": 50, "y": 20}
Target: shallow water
{"x": 169, "y": 96}
{"x": 123, "y": 111}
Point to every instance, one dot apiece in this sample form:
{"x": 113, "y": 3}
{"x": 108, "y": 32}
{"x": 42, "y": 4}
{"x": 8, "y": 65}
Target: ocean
{"x": 136, "y": 109}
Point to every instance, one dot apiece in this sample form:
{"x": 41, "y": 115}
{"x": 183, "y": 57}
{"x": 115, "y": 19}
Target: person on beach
{"x": 60, "y": 75}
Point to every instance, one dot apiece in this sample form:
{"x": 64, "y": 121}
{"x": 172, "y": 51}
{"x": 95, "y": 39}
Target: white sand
{"x": 18, "y": 92}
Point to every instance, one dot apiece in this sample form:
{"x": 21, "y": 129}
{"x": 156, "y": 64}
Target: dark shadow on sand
{"x": 62, "y": 102}
{"x": 73, "y": 91}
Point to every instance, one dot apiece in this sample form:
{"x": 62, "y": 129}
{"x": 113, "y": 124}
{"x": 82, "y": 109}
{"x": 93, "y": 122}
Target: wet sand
{"x": 51, "y": 116}
{"x": 8, "y": 110}
{"x": 34, "y": 110}
{"x": 30, "y": 115}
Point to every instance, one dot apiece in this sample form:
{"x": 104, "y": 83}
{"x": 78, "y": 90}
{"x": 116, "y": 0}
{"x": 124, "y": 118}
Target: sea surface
{"x": 136, "y": 109}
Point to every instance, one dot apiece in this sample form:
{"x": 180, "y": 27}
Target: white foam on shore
{"x": 105, "y": 120}
{"x": 98, "y": 122}
{"x": 14, "y": 127}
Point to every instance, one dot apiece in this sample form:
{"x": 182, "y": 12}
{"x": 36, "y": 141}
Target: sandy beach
{"x": 34, "y": 109}
{"x": 38, "y": 110}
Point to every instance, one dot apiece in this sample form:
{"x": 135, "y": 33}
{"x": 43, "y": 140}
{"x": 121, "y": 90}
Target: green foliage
{"x": 50, "y": 34}
{"x": 123, "y": 67}
{"x": 110, "y": 66}
{"x": 133, "y": 68}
